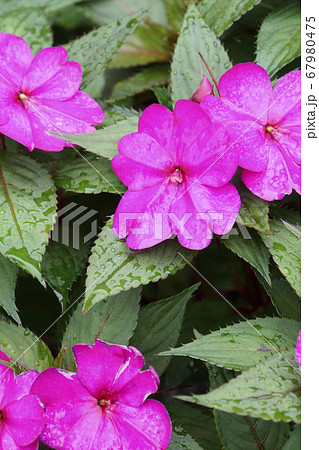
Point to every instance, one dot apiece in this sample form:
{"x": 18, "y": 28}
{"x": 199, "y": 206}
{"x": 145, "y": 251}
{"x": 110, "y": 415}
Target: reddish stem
{"x": 210, "y": 72}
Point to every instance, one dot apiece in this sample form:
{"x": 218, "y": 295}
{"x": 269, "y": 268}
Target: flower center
{"x": 269, "y": 128}
{"x": 104, "y": 403}
{"x": 22, "y": 96}
{"x": 176, "y": 176}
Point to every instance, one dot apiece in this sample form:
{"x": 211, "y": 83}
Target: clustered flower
{"x": 104, "y": 406}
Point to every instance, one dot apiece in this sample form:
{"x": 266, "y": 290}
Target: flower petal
{"x": 281, "y": 176}
{"x": 206, "y": 209}
{"x": 65, "y": 400}
{"x": 210, "y": 160}
{"x": 62, "y": 85}
{"x": 20, "y": 386}
{"x": 19, "y": 128}
{"x": 15, "y": 59}
{"x": 147, "y": 427}
{"x": 7, "y": 442}
{"x": 246, "y": 135}
{"x": 7, "y": 101}
{"x": 136, "y": 391}
{"x": 247, "y": 86}
{"x": 44, "y": 66}
{"x": 286, "y": 95}
{"x": 142, "y": 162}
{"x": 142, "y": 215}
{"x": 24, "y": 419}
{"x": 6, "y": 377}
{"x": 94, "y": 431}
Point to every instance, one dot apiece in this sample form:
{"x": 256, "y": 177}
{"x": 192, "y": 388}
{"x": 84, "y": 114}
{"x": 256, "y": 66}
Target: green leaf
{"x": 104, "y": 142}
{"x": 150, "y": 43}
{"x": 196, "y": 421}
{"x": 187, "y": 66}
{"x": 163, "y": 97}
{"x": 182, "y": 441}
{"x": 242, "y": 345}
{"x": 159, "y": 326}
{"x": 140, "y": 82}
{"x": 251, "y": 250}
{"x": 61, "y": 265}
{"x": 294, "y": 443}
{"x": 95, "y": 50}
{"x": 90, "y": 174}
{"x": 253, "y": 212}
{"x": 220, "y": 15}
{"x": 284, "y": 247}
{"x": 270, "y": 391}
{"x": 113, "y": 320}
{"x": 279, "y": 38}
{"x": 8, "y": 278}
{"x": 176, "y": 10}
{"x": 49, "y": 5}
{"x": 29, "y": 24}
{"x": 28, "y": 207}
{"x": 24, "y": 347}
{"x": 114, "y": 267}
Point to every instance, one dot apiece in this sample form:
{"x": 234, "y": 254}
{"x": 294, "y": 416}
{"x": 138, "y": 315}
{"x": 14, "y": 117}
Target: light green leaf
{"x": 114, "y": 267}
{"x": 270, "y": 391}
{"x": 219, "y": 15}
{"x": 29, "y": 24}
{"x": 278, "y": 40}
{"x": 176, "y": 10}
{"x": 196, "y": 421}
{"x": 8, "y": 278}
{"x": 49, "y": 5}
{"x": 104, "y": 142}
{"x": 285, "y": 249}
{"x": 159, "y": 326}
{"x": 182, "y": 441}
{"x": 113, "y": 320}
{"x": 251, "y": 250}
{"x": 140, "y": 82}
{"x": 242, "y": 345}
{"x": 253, "y": 212}
{"x": 90, "y": 174}
{"x": 95, "y": 50}
{"x": 24, "y": 347}
{"x": 61, "y": 265}
{"x": 27, "y": 208}
{"x": 187, "y": 66}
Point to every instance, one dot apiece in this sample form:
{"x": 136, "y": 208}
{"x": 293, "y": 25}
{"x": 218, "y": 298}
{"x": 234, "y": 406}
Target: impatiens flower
{"x": 42, "y": 94}
{"x": 177, "y": 168}
{"x": 104, "y": 406}
{"x": 204, "y": 89}
{"x": 21, "y": 414}
{"x": 264, "y": 125}
{"x": 298, "y": 349}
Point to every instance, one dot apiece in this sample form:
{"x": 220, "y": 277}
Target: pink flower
{"x": 204, "y": 89}
{"x": 103, "y": 406}
{"x": 42, "y": 93}
{"x": 298, "y": 349}
{"x": 177, "y": 168}
{"x": 264, "y": 125}
{"x": 21, "y": 414}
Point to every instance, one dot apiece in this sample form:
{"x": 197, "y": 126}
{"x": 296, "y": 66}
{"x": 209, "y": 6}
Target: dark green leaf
{"x": 159, "y": 326}
{"x": 182, "y": 441}
{"x": 90, "y": 174}
{"x": 163, "y": 97}
{"x": 95, "y": 50}
{"x": 278, "y": 40}
{"x": 187, "y": 66}
{"x": 114, "y": 267}
{"x": 28, "y": 207}
{"x": 251, "y": 250}
{"x": 253, "y": 212}
{"x": 219, "y": 14}
{"x": 294, "y": 443}
{"x": 176, "y": 10}
{"x": 8, "y": 278}
{"x": 113, "y": 320}
{"x": 24, "y": 347}
{"x": 140, "y": 82}
{"x": 242, "y": 345}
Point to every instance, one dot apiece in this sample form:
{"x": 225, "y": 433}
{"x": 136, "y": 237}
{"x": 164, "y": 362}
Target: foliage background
{"x": 131, "y": 61}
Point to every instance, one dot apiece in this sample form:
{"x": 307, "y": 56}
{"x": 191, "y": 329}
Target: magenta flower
{"x": 42, "y": 94}
{"x": 177, "y": 169}
{"x": 298, "y": 349}
{"x": 104, "y": 406}
{"x": 204, "y": 89}
{"x": 264, "y": 125}
{"x": 21, "y": 414}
